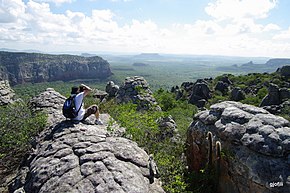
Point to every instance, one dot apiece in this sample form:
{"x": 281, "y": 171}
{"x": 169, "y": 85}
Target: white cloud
{"x": 34, "y": 24}
{"x": 10, "y": 10}
{"x": 237, "y": 9}
{"x": 283, "y": 35}
{"x": 271, "y": 27}
{"x": 115, "y": 0}
{"x": 56, "y": 2}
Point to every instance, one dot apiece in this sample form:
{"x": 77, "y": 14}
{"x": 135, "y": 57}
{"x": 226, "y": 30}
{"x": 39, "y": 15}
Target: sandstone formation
{"x": 226, "y": 80}
{"x": 275, "y": 95}
{"x": 34, "y": 67}
{"x": 187, "y": 86}
{"x": 255, "y": 147}
{"x": 284, "y": 71}
{"x": 112, "y": 89}
{"x": 222, "y": 87}
{"x": 168, "y": 128}
{"x": 99, "y": 94}
{"x": 177, "y": 91}
{"x": 51, "y": 102}
{"x": 82, "y": 157}
{"x": 136, "y": 89}
{"x": 200, "y": 94}
{"x": 237, "y": 94}
{"x": 277, "y": 109}
{"x": 6, "y": 93}
{"x": 196, "y": 93}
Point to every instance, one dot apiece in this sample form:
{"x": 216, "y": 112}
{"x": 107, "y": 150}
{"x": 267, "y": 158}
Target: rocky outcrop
{"x": 237, "y": 94}
{"x": 226, "y": 80}
{"x": 200, "y": 94}
{"x": 278, "y": 109}
{"x": 284, "y": 71}
{"x": 222, "y": 87}
{"x": 112, "y": 89}
{"x": 187, "y": 86}
{"x": 51, "y": 102}
{"x": 136, "y": 89}
{"x": 3, "y": 73}
{"x": 82, "y": 157}
{"x": 34, "y": 67}
{"x": 168, "y": 128}
{"x": 99, "y": 94}
{"x": 6, "y": 93}
{"x": 177, "y": 92}
{"x": 255, "y": 147}
{"x": 275, "y": 95}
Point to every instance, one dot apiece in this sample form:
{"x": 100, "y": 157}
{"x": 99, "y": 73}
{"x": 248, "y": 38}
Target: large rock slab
{"x": 83, "y": 157}
{"x": 255, "y": 147}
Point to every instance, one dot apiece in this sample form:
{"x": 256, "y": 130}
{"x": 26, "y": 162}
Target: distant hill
{"x": 270, "y": 66}
{"x": 21, "y": 67}
{"x": 148, "y": 56}
{"x": 88, "y": 55}
{"x": 14, "y": 50}
{"x": 140, "y": 64}
{"x": 278, "y": 62}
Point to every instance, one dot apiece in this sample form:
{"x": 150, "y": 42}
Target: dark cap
{"x": 74, "y": 90}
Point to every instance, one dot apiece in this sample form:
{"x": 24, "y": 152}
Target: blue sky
{"x": 211, "y": 27}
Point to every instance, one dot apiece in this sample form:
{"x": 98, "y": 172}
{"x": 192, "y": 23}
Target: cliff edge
{"x": 20, "y": 67}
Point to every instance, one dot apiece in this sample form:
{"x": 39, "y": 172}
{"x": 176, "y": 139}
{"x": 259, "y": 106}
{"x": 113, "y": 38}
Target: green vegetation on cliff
{"x": 143, "y": 128}
{"x": 18, "y": 127}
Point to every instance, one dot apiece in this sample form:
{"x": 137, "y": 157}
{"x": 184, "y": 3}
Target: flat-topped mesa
{"x": 35, "y": 67}
{"x": 70, "y": 157}
{"x": 255, "y": 143}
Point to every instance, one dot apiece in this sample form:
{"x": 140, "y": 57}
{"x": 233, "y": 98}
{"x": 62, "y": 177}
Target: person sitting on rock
{"x": 83, "y": 113}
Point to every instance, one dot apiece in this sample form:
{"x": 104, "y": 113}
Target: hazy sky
{"x": 212, "y": 27}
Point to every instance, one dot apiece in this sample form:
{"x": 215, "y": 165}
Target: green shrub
{"x": 18, "y": 125}
{"x": 143, "y": 128}
{"x": 285, "y": 112}
{"x": 262, "y": 93}
{"x": 251, "y": 100}
{"x": 165, "y": 99}
{"x": 217, "y": 99}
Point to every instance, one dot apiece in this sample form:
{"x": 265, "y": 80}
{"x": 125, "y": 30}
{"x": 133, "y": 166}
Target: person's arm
{"x": 86, "y": 89}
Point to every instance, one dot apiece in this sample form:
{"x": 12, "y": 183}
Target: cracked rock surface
{"x": 255, "y": 147}
{"x": 82, "y": 157}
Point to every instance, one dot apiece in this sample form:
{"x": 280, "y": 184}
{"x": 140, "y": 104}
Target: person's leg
{"x": 94, "y": 109}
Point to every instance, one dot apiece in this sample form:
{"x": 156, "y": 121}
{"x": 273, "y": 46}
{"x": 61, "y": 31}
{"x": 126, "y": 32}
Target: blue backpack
{"x": 69, "y": 108}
